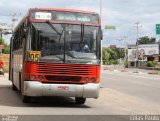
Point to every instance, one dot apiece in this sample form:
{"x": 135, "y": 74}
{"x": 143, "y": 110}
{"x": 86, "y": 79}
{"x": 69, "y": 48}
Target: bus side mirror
{"x": 101, "y": 34}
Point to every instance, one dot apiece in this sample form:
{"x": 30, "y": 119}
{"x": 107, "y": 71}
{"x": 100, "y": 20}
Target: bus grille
{"x": 64, "y": 78}
{"x": 58, "y": 69}
{"x": 63, "y": 73}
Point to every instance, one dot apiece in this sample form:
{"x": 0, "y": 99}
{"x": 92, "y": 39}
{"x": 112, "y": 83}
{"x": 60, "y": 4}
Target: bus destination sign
{"x": 66, "y": 16}
{"x": 43, "y": 15}
{"x": 72, "y": 17}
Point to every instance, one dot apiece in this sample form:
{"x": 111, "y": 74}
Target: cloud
{"x": 124, "y": 13}
{"x": 121, "y": 13}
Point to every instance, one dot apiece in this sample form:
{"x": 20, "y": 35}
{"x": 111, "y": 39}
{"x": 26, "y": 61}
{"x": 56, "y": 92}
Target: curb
{"x": 153, "y": 73}
{"x": 124, "y": 71}
{"x": 132, "y": 72}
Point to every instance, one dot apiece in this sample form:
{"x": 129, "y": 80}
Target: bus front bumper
{"x": 33, "y": 88}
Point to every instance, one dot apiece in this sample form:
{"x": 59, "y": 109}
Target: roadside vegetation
{"x": 148, "y": 40}
{"x": 152, "y": 63}
{"x": 6, "y": 46}
{"x": 111, "y": 56}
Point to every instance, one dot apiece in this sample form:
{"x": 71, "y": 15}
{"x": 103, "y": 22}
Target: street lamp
{"x": 100, "y": 11}
{"x": 125, "y": 39}
{"x": 100, "y": 7}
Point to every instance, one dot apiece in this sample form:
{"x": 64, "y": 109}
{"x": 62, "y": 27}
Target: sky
{"x": 123, "y": 14}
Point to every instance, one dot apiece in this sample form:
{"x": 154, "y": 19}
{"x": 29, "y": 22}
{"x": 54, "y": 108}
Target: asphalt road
{"x": 141, "y": 85}
{"x": 121, "y": 94}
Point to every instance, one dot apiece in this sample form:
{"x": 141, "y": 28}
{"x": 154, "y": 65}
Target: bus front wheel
{"x": 80, "y": 100}
{"x": 14, "y": 87}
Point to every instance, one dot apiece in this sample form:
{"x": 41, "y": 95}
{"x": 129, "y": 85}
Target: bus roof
{"x": 64, "y": 9}
{"x": 51, "y": 9}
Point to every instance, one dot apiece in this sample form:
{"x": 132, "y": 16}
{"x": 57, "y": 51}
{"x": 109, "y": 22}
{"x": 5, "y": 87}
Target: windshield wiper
{"x": 52, "y": 26}
{"x": 82, "y": 33}
{"x": 61, "y": 34}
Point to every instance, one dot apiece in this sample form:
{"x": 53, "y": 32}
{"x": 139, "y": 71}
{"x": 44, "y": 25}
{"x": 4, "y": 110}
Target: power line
{"x": 4, "y": 27}
{"x": 14, "y": 19}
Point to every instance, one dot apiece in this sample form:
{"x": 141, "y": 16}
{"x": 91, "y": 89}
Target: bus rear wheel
{"x": 80, "y": 100}
{"x": 26, "y": 99}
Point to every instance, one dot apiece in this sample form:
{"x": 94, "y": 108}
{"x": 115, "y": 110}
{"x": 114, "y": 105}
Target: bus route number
{"x": 34, "y": 55}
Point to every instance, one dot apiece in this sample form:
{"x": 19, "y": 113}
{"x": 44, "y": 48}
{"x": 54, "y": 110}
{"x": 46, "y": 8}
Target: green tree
{"x": 153, "y": 40}
{"x": 113, "y": 54}
{"x": 147, "y": 40}
{"x": 108, "y": 55}
{"x": 114, "y": 62}
{"x": 105, "y": 55}
{"x": 6, "y": 46}
{"x": 1, "y": 41}
{"x": 125, "y": 64}
{"x": 120, "y": 53}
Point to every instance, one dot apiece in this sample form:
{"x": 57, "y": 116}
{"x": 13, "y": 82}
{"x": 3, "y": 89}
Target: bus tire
{"x": 80, "y": 100}
{"x": 26, "y": 99}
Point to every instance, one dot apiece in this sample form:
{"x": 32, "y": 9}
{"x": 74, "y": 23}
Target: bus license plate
{"x": 63, "y": 88}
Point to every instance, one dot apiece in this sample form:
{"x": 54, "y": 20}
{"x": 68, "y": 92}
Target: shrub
{"x": 155, "y": 63}
{"x": 126, "y": 64}
{"x": 151, "y": 63}
{"x": 114, "y": 62}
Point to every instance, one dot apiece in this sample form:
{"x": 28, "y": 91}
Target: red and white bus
{"x": 56, "y": 52}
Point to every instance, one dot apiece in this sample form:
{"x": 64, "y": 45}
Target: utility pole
{"x": 137, "y": 25}
{"x": 125, "y": 39}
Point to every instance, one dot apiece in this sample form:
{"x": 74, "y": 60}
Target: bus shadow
{"x": 8, "y": 97}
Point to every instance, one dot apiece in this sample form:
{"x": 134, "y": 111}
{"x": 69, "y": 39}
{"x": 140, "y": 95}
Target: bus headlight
{"x": 93, "y": 80}
{"x": 33, "y": 77}
{"x": 86, "y": 79}
{"x": 40, "y": 77}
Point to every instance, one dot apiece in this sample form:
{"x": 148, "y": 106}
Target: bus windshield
{"x": 65, "y": 43}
